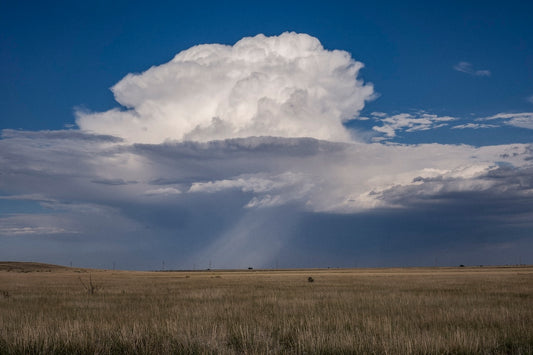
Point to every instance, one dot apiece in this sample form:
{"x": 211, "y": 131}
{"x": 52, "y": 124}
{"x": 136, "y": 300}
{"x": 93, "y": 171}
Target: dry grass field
{"x": 47, "y": 309}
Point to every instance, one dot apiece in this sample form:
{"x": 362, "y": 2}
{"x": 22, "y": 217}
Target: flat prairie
{"x": 53, "y": 309}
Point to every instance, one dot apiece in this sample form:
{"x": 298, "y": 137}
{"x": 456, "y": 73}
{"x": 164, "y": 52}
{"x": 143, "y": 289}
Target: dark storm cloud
{"x": 258, "y": 199}
{"x": 233, "y": 148}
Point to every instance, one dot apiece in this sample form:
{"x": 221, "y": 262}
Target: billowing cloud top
{"x": 285, "y": 86}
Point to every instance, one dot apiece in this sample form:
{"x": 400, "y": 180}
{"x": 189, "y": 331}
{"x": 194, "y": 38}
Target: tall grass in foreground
{"x": 388, "y": 311}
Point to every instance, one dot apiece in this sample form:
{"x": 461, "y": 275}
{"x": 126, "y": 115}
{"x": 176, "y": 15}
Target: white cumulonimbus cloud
{"x": 284, "y": 86}
{"x": 207, "y": 156}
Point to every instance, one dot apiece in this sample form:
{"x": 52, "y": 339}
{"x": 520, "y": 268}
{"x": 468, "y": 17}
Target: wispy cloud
{"x": 521, "y": 119}
{"x": 35, "y": 224}
{"x": 392, "y": 125}
{"x": 409, "y": 122}
{"x": 113, "y": 182}
{"x": 166, "y": 191}
{"x": 530, "y": 99}
{"x": 474, "y": 126}
{"x": 466, "y": 67}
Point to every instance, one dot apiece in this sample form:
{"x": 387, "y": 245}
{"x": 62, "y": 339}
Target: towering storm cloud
{"x": 284, "y": 86}
{"x": 241, "y": 156}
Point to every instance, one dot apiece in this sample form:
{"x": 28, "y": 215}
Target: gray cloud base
{"x": 251, "y": 201}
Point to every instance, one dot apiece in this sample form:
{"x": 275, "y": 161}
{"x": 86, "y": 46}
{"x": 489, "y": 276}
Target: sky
{"x": 277, "y": 134}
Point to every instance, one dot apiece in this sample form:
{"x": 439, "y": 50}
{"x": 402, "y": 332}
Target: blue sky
{"x": 59, "y": 55}
{"x": 447, "y": 74}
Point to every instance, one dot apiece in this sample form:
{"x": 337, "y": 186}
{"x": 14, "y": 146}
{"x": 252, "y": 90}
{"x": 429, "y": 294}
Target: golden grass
{"x": 379, "y": 311}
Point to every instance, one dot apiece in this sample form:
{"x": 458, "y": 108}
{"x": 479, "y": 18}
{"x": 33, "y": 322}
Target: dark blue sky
{"x": 96, "y": 176}
{"x": 61, "y": 54}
